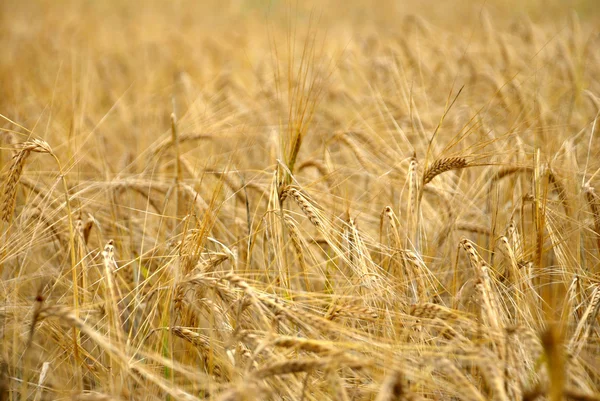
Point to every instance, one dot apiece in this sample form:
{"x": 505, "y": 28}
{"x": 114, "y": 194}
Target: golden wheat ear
{"x": 11, "y": 182}
{"x": 440, "y": 166}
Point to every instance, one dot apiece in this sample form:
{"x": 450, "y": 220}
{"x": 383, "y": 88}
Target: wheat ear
{"x": 10, "y": 184}
{"x": 441, "y": 166}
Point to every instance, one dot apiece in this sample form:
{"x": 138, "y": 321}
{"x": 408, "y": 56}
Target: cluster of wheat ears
{"x": 278, "y": 205}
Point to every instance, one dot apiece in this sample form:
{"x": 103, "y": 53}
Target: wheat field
{"x": 279, "y": 200}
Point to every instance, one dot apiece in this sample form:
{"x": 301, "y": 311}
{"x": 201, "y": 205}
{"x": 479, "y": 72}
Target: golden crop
{"x": 278, "y": 200}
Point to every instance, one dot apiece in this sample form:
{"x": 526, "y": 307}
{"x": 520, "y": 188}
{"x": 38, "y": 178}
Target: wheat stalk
{"x": 593, "y": 201}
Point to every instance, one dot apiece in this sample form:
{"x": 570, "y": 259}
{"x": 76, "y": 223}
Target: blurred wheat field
{"x": 253, "y": 200}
